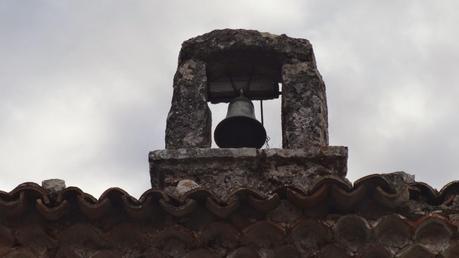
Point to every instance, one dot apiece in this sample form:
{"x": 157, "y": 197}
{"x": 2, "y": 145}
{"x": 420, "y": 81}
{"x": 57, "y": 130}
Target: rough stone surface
{"x": 53, "y": 185}
{"x": 304, "y": 107}
{"x": 284, "y": 48}
{"x": 189, "y": 121}
{"x": 225, "y": 170}
{"x": 185, "y": 185}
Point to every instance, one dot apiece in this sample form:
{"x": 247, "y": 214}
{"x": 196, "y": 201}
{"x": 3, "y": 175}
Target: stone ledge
{"x": 225, "y": 170}
{"x": 284, "y": 48}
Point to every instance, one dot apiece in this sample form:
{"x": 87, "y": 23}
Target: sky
{"x": 85, "y": 86}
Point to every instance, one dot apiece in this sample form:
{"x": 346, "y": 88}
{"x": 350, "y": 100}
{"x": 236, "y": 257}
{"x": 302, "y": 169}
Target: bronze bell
{"x": 240, "y": 127}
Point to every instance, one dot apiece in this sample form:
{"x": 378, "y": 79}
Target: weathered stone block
{"x": 224, "y": 170}
{"x": 304, "y": 107}
{"x": 189, "y": 122}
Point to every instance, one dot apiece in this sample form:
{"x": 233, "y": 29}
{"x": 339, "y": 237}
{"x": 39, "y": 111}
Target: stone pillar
{"x": 189, "y": 120}
{"x": 304, "y": 107}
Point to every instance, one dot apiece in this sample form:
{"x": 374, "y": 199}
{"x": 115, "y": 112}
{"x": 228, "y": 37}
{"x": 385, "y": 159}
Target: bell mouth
{"x": 240, "y": 132}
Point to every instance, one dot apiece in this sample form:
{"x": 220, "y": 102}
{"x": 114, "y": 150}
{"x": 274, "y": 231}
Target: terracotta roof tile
{"x": 223, "y": 233}
{"x": 21, "y": 253}
{"x": 375, "y": 251}
{"x": 244, "y": 252}
{"x": 224, "y": 210}
{"x": 415, "y": 251}
{"x": 342, "y": 196}
{"x": 434, "y": 234}
{"x": 375, "y": 217}
{"x": 82, "y": 234}
{"x": 333, "y": 250}
{"x": 452, "y": 251}
{"x": 353, "y": 231}
{"x": 344, "y": 236}
{"x": 264, "y": 234}
{"x": 309, "y": 235}
{"x": 200, "y": 253}
{"x": 393, "y": 231}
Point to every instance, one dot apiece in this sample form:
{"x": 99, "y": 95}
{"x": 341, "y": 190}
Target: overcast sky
{"x": 85, "y": 86}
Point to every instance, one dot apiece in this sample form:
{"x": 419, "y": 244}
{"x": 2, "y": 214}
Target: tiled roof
{"x": 377, "y": 216}
{"x": 336, "y": 194}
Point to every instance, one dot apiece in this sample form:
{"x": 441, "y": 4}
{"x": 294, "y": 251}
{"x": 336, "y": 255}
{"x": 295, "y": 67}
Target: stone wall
{"x": 304, "y": 104}
{"x": 223, "y": 171}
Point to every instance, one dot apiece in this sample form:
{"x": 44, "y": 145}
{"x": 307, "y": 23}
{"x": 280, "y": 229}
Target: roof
{"x": 377, "y": 216}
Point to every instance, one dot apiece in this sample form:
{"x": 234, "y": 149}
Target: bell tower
{"x": 238, "y": 67}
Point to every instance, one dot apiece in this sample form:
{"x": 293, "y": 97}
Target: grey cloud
{"x": 85, "y": 86}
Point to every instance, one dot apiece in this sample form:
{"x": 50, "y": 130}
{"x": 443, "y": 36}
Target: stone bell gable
{"x": 287, "y": 60}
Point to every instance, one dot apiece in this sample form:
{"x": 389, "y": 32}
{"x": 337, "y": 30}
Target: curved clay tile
{"x": 14, "y": 207}
{"x": 309, "y": 235}
{"x": 347, "y": 200}
{"x": 327, "y": 193}
{"x": 452, "y": 251}
{"x": 137, "y": 209}
{"x": 25, "y": 191}
{"x": 223, "y": 233}
{"x": 107, "y": 254}
{"x": 434, "y": 234}
{"x": 6, "y": 240}
{"x": 21, "y": 253}
{"x": 286, "y": 251}
{"x": 197, "y": 193}
{"x": 264, "y": 204}
{"x": 353, "y": 231}
{"x": 450, "y": 189}
{"x": 20, "y": 195}
{"x": 72, "y": 192}
{"x": 115, "y": 194}
{"x": 200, "y": 253}
{"x": 243, "y": 193}
{"x": 128, "y": 200}
{"x": 334, "y": 251}
{"x": 153, "y": 194}
{"x": 151, "y": 252}
{"x": 375, "y": 251}
{"x": 332, "y": 180}
{"x": 33, "y": 190}
{"x": 393, "y": 231}
{"x": 52, "y": 213}
{"x": 175, "y": 234}
{"x": 424, "y": 192}
{"x": 285, "y": 213}
{"x": 390, "y": 199}
{"x": 66, "y": 252}
{"x": 264, "y": 234}
{"x": 93, "y": 209}
{"x": 373, "y": 181}
{"x": 149, "y": 204}
{"x": 303, "y": 201}
{"x": 179, "y": 211}
{"x": 222, "y": 211}
{"x": 244, "y": 252}
{"x": 142, "y": 210}
{"x": 127, "y": 236}
{"x": 415, "y": 251}
{"x": 416, "y": 223}
{"x": 35, "y": 237}
{"x": 82, "y": 234}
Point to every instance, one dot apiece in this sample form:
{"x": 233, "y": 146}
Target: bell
{"x": 240, "y": 128}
